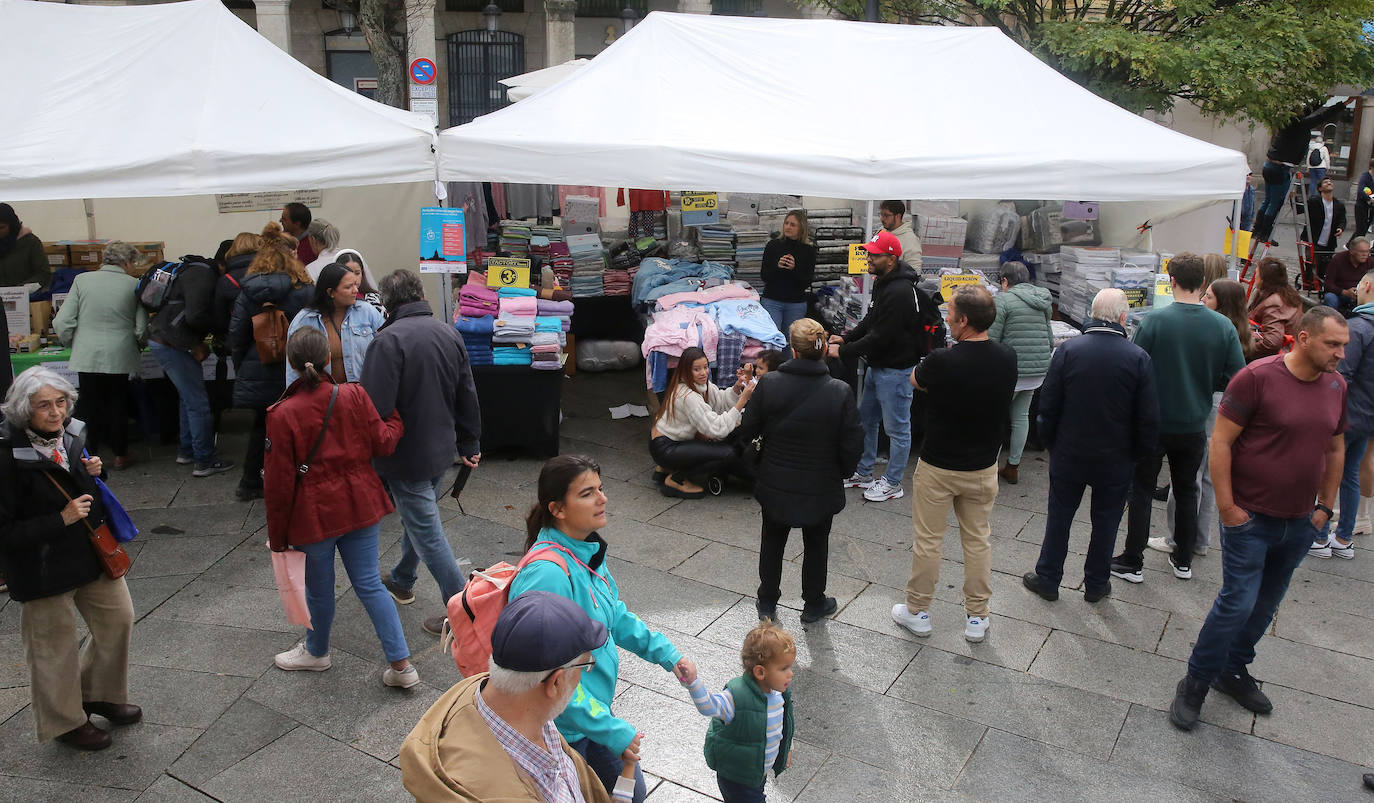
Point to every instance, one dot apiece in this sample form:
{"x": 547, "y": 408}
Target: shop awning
{"x": 519, "y": 87}
{"x": 181, "y": 99}
{"x": 836, "y": 109}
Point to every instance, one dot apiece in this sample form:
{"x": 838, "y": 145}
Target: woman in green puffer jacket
{"x": 1023, "y": 322}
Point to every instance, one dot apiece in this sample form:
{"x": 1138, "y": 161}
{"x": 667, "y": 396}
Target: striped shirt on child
{"x": 721, "y": 705}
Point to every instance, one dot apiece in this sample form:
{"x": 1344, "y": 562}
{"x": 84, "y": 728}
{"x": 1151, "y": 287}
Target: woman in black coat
{"x": 811, "y": 441}
{"x": 47, "y": 500}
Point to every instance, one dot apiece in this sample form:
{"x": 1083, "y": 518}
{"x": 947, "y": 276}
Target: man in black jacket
{"x": 419, "y": 367}
{"x": 892, "y": 338}
{"x": 1325, "y": 224}
{"x": 176, "y": 336}
{"x": 1099, "y": 414}
{"x": 1288, "y": 149}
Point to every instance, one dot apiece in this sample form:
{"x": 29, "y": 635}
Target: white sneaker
{"x": 401, "y": 680}
{"x": 1320, "y": 549}
{"x": 1347, "y": 551}
{"x": 1160, "y": 543}
{"x": 917, "y": 623}
{"x": 977, "y": 628}
{"x": 298, "y": 658}
{"x": 859, "y": 481}
{"x": 881, "y": 490}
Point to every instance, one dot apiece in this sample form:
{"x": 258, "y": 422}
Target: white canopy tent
{"x": 519, "y": 87}
{"x": 742, "y": 104}
{"x": 182, "y": 99}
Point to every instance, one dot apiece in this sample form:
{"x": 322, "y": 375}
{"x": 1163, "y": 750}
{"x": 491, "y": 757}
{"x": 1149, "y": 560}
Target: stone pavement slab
{"x": 170, "y": 790}
{"x": 305, "y": 765}
{"x": 240, "y": 731}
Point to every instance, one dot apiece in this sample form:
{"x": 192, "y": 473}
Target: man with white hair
{"x": 324, "y": 240}
{"x": 492, "y": 737}
{"x": 1099, "y": 414}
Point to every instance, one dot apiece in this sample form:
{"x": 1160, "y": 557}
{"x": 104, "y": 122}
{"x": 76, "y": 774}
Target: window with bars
{"x": 476, "y": 6}
{"x": 476, "y": 61}
{"x": 611, "y": 8}
{"x": 738, "y": 8}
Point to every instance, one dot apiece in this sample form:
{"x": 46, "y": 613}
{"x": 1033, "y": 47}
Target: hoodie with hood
{"x": 894, "y": 332}
{"x": 1023, "y": 322}
{"x": 260, "y": 385}
{"x": 1358, "y": 369}
{"x": 21, "y": 253}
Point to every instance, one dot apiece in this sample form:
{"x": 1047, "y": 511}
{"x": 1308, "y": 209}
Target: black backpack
{"x": 154, "y": 287}
{"x": 1314, "y": 158}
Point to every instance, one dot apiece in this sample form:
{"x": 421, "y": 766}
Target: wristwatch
{"x": 1323, "y": 508}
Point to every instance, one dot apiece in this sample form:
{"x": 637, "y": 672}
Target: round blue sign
{"x": 422, "y": 71}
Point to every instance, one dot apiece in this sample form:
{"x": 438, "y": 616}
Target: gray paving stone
{"x": 1008, "y": 767}
{"x": 247, "y": 607}
{"x": 831, "y": 649}
{"x": 737, "y": 570}
{"x": 206, "y": 648}
{"x": 1127, "y": 674}
{"x": 730, "y": 519}
{"x": 190, "y": 519}
{"x": 868, "y": 561}
{"x": 12, "y": 699}
{"x": 1322, "y": 628}
{"x": 1230, "y": 765}
{"x": 248, "y": 564}
{"x": 164, "y": 556}
{"x": 888, "y": 523}
{"x": 1010, "y": 642}
{"x": 1329, "y": 592}
{"x": 844, "y": 778}
{"x": 9, "y": 615}
{"x": 353, "y": 633}
{"x": 668, "y": 792}
{"x": 650, "y": 545}
{"x": 1112, "y": 620}
{"x": 243, "y": 729}
{"x": 1023, "y": 704}
{"x": 377, "y": 717}
{"x": 182, "y": 698}
{"x": 32, "y": 790}
{"x": 133, "y": 762}
{"x": 716, "y": 664}
{"x": 13, "y": 669}
{"x": 1319, "y": 724}
{"x": 668, "y": 600}
{"x": 148, "y": 593}
{"x": 627, "y": 500}
{"x": 333, "y": 772}
{"x": 930, "y": 746}
{"x": 170, "y": 790}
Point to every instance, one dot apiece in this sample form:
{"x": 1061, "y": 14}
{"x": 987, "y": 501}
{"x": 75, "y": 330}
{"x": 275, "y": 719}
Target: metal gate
{"x": 476, "y": 61}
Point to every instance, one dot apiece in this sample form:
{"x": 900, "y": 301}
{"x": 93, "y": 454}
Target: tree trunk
{"x": 391, "y": 78}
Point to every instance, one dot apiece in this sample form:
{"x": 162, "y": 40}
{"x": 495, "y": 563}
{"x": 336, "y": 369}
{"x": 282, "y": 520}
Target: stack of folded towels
{"x": 514, "y": 326}
{"x": 616, "y": 282}
{"x": 562, "y": 310}
{"x": 475, "y": 299}
{"x": 548, "y": 342}
{"x": 476, "y": 333}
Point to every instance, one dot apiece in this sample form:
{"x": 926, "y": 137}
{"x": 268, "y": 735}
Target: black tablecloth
{"x": 605, "y": 318}
{"x": 520, "y": 408}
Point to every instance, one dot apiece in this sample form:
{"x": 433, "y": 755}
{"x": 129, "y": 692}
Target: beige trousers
{"x": 972, "y": 494}
{"x": 61, "y": 675}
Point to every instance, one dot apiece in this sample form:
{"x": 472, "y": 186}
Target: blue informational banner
{"x": 443, "y": 240}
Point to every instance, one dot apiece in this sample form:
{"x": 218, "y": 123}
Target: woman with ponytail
{"x": 563, "y": 525}
{"x": 811, "y": 441}
{"x": 323, "y": 496}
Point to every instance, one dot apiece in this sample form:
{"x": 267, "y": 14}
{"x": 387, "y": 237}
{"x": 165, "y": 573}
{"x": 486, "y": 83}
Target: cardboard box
{"x": 57, "y": 254}
{"x": 40, "y": 316}
{"x": 86, "y": 254}
{"x": 149, "y": 254}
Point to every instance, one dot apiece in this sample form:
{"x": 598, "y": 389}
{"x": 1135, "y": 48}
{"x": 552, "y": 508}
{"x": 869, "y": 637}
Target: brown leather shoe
{"x": 86, "y": 737}
{"x": 1009, "y": 473}
{"x": 121, "y": 463}
{"x": 116, "y": 713}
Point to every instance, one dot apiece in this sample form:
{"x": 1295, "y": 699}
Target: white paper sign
{"x": 16, "y": 301}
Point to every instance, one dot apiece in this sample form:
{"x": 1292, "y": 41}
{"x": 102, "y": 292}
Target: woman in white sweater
{"x": 688, "y": 437}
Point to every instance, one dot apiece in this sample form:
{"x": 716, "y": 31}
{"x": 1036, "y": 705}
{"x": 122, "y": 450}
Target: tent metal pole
{"x": 89, "y": 205}
{"x": 1235, "y": 236}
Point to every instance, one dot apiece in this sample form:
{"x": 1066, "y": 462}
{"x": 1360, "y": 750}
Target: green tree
{"x": 1262, "y": 59}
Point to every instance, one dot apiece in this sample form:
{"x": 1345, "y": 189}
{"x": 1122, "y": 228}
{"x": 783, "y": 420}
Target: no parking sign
{"x": 422, "y": 71}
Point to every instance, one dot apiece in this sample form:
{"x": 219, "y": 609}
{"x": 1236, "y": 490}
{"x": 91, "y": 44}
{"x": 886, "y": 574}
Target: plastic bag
{"x": 289, "y": 567}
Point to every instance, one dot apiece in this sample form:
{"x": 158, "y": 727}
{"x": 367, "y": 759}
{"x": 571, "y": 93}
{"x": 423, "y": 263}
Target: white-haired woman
{"x": 324, "y": 239}
{"x": 47, "y": 501}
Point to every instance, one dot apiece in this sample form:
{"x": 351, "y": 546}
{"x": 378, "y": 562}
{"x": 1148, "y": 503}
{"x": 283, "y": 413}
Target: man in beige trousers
{"x": 970, "y": 388}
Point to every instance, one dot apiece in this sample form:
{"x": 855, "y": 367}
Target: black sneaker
{"x": 767, "y": 610}
{"x": 403, "y": 596}
{"x": 1161, "y": 494}
{"x": 827, "y": 607}
{"x": 1032, "y": 581}
{"x": 1187, "y": 704}
{"x": 1125, "y": 571}
{"x": 1091, "y": 595}
{"x": 211, "y": 469}
{"x": 1243, "y": 689}
{"x": 246, "y": 494}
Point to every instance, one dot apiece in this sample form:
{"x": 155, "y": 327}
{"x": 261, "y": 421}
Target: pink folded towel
{"x": 522, "y": 306}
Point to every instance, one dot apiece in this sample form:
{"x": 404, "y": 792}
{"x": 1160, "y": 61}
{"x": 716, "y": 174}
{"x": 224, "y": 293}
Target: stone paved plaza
{"x": 1063, "y": 702}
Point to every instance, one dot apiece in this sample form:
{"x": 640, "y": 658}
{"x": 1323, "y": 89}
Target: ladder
{"x": 1307, "y": 261}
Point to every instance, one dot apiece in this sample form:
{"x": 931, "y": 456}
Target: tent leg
{"x": 89, "y": 205}
{"x": 1235, "y": 236}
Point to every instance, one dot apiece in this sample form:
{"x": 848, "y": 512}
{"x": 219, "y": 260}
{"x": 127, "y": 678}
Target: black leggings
{"x": 103, "y": 405}
{"x": 692, "y": 461}
{"x": 815, "y": 560}
{"x": 257, "y": 448}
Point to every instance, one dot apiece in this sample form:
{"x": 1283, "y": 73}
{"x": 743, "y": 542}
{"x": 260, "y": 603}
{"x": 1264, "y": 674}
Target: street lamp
{"x": 348, "y": 21}
{"x": 628, "y": 17}
{"x": 492, "y": 14}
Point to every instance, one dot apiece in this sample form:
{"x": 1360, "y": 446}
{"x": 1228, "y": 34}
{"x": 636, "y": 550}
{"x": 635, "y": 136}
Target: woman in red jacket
{"x": 322, "y": 495}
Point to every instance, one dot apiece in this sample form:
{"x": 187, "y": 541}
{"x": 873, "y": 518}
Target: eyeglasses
{"x": 588, "y": 664}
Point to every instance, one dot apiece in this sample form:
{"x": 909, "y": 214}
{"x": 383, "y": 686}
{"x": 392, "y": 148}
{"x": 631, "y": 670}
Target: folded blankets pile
{"x": 475, "y": 300}
{"x": 513, "y": 329}
{"x": 510, "y": 355}
{"x": 512, "y": 306}
{"x": 476, "y": 334}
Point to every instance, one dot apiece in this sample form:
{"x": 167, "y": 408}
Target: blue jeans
{"x": 887, "y": 400}
{"x": 1111, "y": 484}
{"x": 193, "y": 408}
{"x": 418, "y": 503}
{"x": 733, "y": 792}
{"x": 1277, "y": 179}
{"x": 1257, "y": 561}
{"x": 784, "y": 313}
{"x": 1338, "y": 302}
{"x": 359, "y": 552}
{"x": 607, "y": 766}
{"x": 1350, "y": 487}
{"x": 1314, "y": 178}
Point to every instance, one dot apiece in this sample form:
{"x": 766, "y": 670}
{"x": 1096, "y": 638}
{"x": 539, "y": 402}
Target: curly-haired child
{"x": 751, "y": 727}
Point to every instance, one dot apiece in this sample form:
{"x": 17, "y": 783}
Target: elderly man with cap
{"x": 492, "y": 737}
{"x": 892, "y": 338}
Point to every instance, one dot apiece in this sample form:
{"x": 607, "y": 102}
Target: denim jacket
{"x": 360, "y": 325}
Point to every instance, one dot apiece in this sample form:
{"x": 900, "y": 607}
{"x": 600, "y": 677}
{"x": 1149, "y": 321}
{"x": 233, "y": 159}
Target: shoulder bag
{"x": 113, "y": 559}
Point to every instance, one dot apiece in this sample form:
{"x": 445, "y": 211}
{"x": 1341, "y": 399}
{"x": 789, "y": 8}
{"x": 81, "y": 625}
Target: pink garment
{"x": 676, "y": 329}
{"x": 706, "y": 295}
{"x": 476, "y": 291}
{"x": 752, "y": 349}
{"x": 519, "y": 306}
{"x": 470, "y": 311}
{"x": 545, "y": 349}
{"x": 498, "y": 198}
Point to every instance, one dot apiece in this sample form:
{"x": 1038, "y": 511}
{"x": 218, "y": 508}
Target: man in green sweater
{"x": 1195, "y": 352}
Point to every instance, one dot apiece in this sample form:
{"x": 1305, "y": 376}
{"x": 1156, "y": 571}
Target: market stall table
{"x": 520, "y": 406}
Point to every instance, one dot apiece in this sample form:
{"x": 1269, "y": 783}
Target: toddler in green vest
{"x": 751, "y": 725}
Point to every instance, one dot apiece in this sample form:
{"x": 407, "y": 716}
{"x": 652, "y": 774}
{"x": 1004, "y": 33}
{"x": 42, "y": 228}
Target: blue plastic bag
{"x": 115, "y": 515}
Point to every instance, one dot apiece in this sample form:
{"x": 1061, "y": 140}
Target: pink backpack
{"x": 472, "y": 613}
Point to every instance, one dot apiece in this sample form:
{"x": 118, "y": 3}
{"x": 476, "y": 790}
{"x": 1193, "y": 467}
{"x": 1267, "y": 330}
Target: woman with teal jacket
{"x": 564, "y": 523}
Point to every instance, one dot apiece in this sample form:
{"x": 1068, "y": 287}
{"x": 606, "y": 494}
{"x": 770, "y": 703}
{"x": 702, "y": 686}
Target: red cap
{"x": 884, "y": 242}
